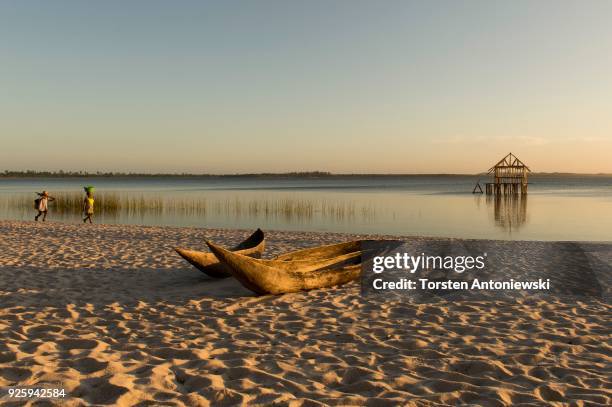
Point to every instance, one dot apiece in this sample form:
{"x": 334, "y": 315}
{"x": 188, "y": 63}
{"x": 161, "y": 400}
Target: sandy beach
{"x": 113, "y": 316}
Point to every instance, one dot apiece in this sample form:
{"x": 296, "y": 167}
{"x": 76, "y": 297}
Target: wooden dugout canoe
{"x": 305, "y": 259}
{"x": 280, "y": 276}
{"x": 208, "y": 263}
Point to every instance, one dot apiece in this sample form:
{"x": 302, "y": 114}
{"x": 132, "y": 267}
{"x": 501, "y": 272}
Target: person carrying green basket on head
{"x": 88, "y": 204}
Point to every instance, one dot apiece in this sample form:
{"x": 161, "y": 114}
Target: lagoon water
{"x": 556, "y": 208}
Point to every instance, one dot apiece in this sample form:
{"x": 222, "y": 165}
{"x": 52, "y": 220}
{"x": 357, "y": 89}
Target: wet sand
{"x": 113, "y": 316}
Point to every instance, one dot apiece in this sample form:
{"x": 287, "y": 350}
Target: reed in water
{"x": 113, "y": 204}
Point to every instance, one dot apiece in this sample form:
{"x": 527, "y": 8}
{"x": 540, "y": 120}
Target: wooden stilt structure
{"x": 509, "y": 177}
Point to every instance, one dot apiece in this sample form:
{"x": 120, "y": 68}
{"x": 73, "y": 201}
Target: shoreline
{"x": 347, "y": 235}
{"x": 110, "y": 314}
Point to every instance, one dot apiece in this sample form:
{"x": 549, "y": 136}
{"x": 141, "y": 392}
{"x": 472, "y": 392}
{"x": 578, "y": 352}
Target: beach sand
{"x": 113, "y": 316}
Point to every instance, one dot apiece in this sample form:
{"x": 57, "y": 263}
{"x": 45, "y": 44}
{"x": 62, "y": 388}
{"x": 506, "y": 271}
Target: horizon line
{"x": 314, "y": 174}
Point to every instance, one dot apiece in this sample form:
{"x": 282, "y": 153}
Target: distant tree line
{"x": 69, "y": 174}
{"x": 295, "y": 174}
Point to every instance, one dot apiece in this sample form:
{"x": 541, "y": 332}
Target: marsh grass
{"x": 114, "y": 204}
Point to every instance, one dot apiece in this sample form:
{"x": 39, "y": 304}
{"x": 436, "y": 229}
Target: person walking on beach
{"x": 88, "y": 204}
{"x": 41, "y": 204}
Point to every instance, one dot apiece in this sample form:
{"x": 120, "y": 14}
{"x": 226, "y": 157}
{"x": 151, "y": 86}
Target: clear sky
{"x": 275, "y": 86}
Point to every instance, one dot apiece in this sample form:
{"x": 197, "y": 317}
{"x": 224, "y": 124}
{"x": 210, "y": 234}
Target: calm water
{"x": 556, "y": 208}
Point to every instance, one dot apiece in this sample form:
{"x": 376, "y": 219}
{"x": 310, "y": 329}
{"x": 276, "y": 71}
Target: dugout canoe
{"x": 208, "y": 263}
{"x": 308, "y": 271}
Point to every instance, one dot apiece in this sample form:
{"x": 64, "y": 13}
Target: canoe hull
{"x": 280, "y": 276}
{"x": 208, "y": 263}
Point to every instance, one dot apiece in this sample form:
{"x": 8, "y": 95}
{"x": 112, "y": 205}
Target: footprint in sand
{"x": 89, "y": 365}
{"x": 99, "y": 391}
{"x": 15, "y": 374}
{"x": 69, "y": 344}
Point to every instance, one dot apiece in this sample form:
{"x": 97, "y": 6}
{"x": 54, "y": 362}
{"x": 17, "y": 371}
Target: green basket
{"x": 89, "y": 189}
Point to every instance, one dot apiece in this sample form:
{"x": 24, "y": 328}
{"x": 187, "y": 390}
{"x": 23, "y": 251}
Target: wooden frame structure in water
{"x": 510, "y": 176}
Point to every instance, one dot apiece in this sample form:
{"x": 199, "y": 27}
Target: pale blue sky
{"x": 341, "y": 86}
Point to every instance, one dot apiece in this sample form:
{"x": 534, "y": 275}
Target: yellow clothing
{"x": 89, "y": 206}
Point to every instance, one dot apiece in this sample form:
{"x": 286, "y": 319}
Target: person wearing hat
{"x": 88, "y": 204}
{"x": 42, "y": 204}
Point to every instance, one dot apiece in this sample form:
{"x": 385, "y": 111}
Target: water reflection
{"x": 509, "y": 211}
{"x": 403, "y": 206}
